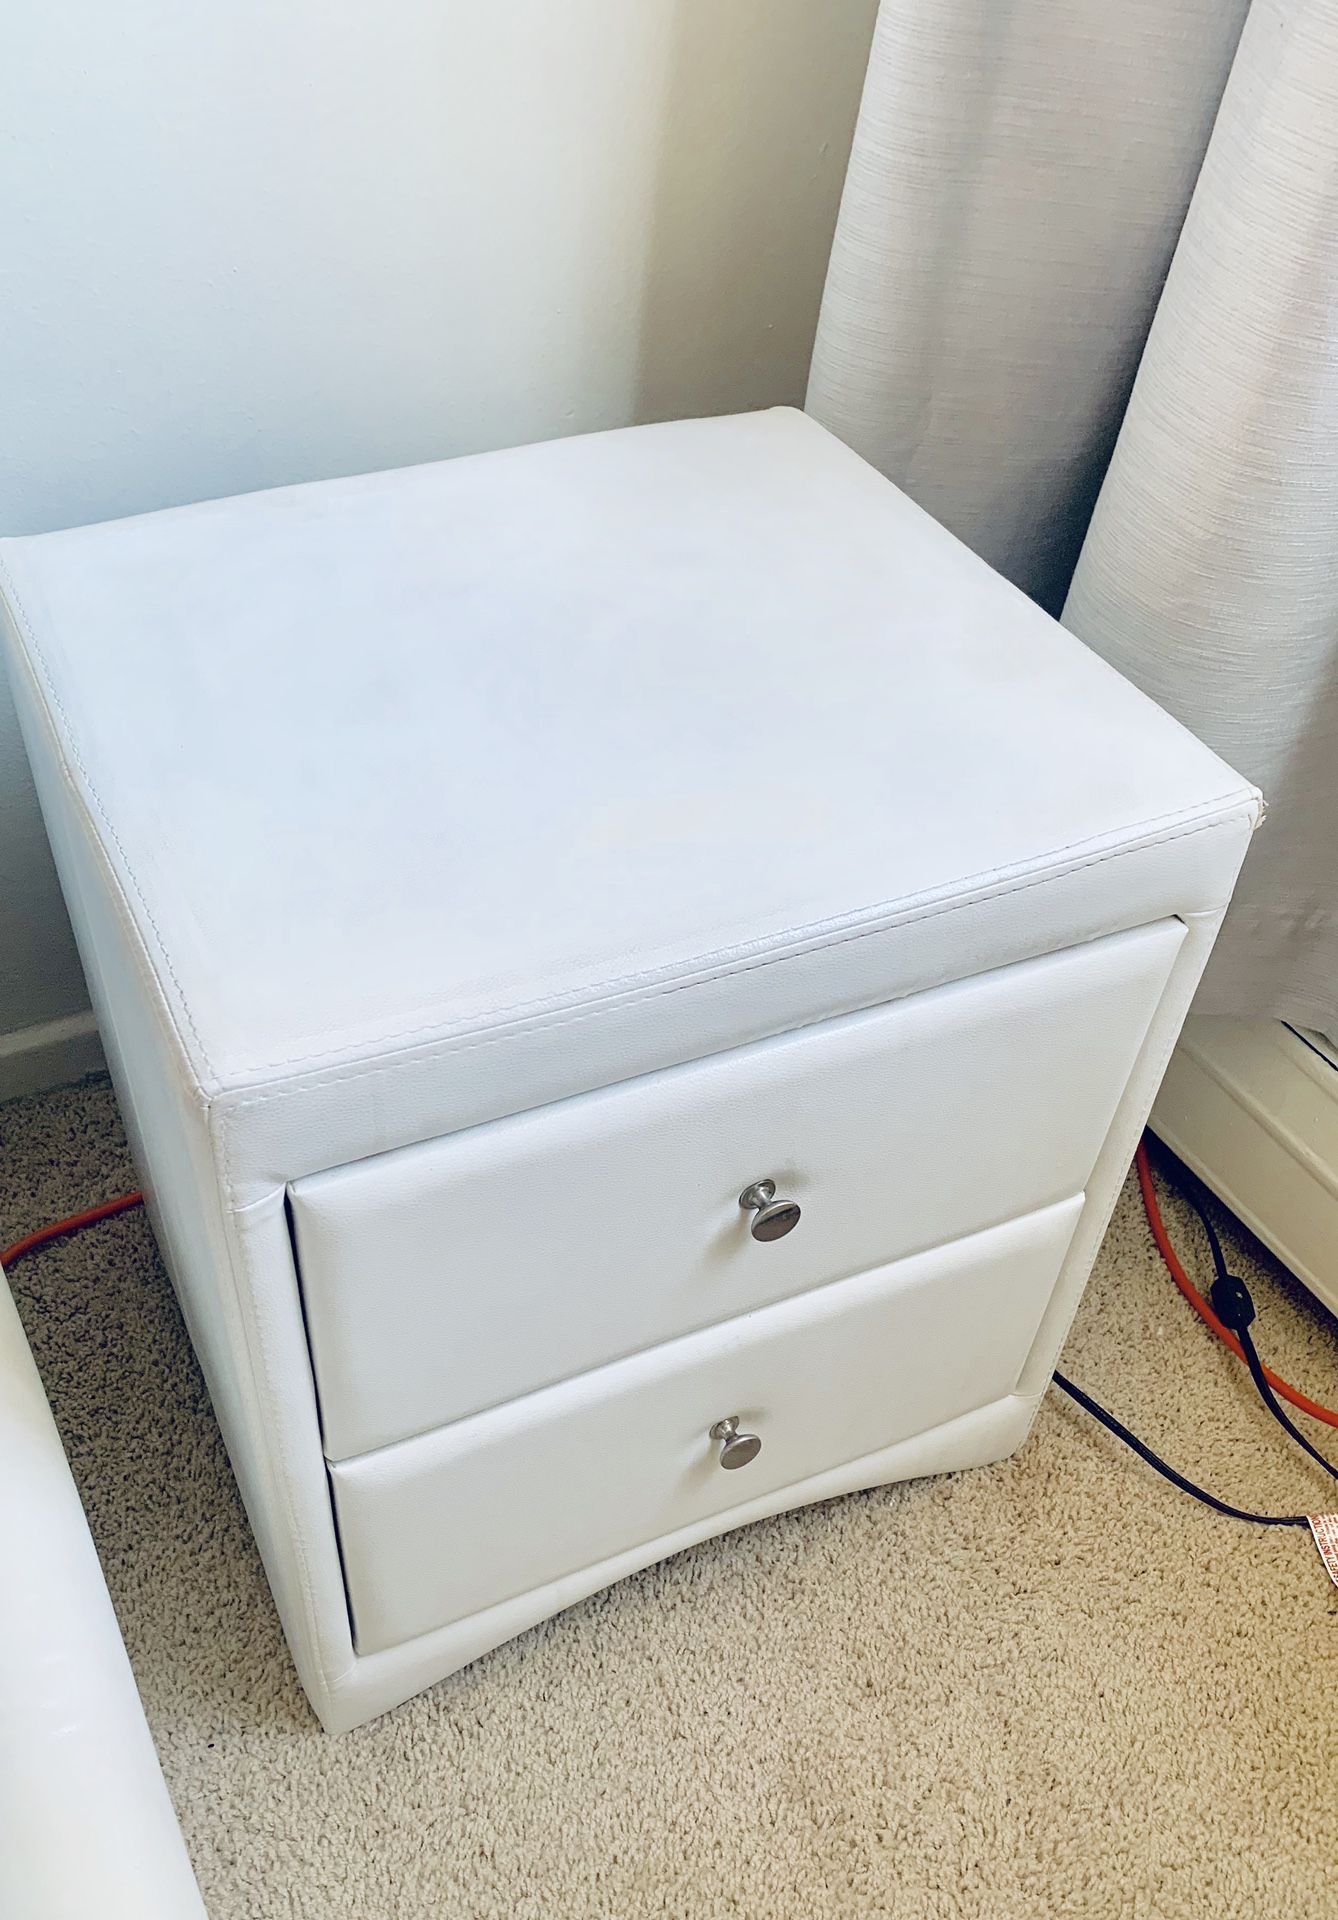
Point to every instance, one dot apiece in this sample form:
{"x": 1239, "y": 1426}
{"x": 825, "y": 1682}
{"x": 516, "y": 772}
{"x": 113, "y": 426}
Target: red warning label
{"x": 1324, "y": 1526}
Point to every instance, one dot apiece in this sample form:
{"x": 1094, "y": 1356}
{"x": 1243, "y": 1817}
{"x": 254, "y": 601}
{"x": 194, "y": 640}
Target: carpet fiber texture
{"x": 1051, "y": 1687}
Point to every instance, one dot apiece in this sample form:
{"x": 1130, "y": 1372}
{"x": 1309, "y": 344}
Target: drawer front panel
{"x": 445, "y": 1278}
{"x": 440, "y": 1527}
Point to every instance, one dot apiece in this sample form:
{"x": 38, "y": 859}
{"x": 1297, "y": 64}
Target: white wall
{"x": 244, "y": 242}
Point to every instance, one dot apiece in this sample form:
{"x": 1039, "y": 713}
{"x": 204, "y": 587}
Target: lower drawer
{"x": 439, "y": 1527}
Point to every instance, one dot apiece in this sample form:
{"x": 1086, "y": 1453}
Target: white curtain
{"x": 1046, "y": 199}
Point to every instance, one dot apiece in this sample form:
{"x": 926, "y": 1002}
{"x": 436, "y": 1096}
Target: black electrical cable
{"x": 1234, "y": 1307}
{"x": 1155, "y": 1461}
{"x": 1266, "y": 1394}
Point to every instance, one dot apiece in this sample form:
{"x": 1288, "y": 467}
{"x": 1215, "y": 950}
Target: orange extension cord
{"x": 122, "y": 1204}
{"x": 1158, "y": 1226}
{"x": 1197, "y": 1301}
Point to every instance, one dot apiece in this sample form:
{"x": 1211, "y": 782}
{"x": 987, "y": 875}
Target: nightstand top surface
{"x": 443, "y": 751}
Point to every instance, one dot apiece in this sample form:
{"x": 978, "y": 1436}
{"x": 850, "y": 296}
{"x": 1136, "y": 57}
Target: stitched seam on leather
{"x": 1202, "y": 817}
{"x": 1131, "y": 1132}
{"x": 263, "y": 1403}
{"x": 234, "y": 1243}
{"x": 816, "y": 932}
{"x": 138, "y": 955}
{"x": 470, "y": 1043}
{"x": 230, "y": 1113}
{"x": 71, "y": 743}
{"x": 1169, "y": 1045}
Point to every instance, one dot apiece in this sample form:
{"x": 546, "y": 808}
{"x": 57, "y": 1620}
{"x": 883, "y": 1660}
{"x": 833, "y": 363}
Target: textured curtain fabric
{"x": 1019, "y": 175}
{"x": 1014, "y": 217}
{"x": 1210, "y": 573}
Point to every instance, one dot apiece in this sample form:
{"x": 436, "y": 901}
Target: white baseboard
{"x": 49, "y": 1055}
{"x": 1252, "y": 1107}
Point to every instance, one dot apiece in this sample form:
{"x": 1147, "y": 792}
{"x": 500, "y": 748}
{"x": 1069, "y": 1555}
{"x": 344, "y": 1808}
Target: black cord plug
{"x": 1234, "y": 1307}
{"x": 1231, "y": 1301}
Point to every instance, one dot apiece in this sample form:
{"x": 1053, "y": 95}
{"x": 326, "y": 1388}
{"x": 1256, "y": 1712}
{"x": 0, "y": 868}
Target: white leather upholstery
{"x": 616, "y": 1456}
{"x": 86, "y": 1827}
{"x": 555, "y": 765}
{"x": 391, "y": 807}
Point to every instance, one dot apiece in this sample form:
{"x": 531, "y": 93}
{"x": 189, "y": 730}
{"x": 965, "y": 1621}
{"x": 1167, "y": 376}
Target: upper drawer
{"x": 446, "y": 1277}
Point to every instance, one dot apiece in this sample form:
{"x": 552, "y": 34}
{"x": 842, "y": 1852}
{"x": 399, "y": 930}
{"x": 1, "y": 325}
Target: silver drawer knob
{"x": 736, "y": 1449}
{"x": 772, "y": 1218}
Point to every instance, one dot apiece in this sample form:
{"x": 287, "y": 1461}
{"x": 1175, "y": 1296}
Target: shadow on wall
{"x": 756, "y": 125}
{"x": 446, "y": 228}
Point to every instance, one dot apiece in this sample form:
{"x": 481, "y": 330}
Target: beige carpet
{"x": 1053, "y": 1687}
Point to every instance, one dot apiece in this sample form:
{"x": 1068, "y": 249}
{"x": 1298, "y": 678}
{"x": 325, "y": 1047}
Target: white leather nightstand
{"x": 485, "y": 874}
